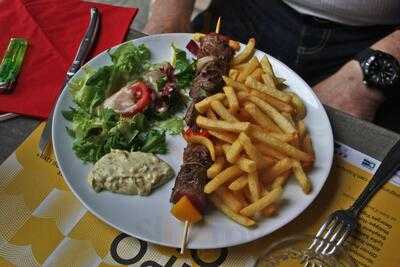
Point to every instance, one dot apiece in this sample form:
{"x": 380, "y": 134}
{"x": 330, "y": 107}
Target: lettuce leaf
{"x": 184, "y": 69}
{"x": 173, "y": 125}
{"x": 130, "y": 62}
{"x": 95, "y": 135}
{"x": 92, "y": 93}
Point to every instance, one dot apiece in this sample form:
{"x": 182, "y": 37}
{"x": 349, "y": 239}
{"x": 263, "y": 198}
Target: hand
{"x": 346, "y": 91}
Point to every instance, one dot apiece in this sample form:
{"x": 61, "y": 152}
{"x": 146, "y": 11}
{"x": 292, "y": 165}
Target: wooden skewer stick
{"x": 184, "y": 236}
{"x": 187, "y": 224}
{"x": 218, "y": 27}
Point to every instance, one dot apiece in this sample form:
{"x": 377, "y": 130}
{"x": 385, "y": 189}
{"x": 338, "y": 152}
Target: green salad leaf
{"x": 96, "y": 130}
{"x": 96, "y": 134}
{"x": 155, "y": 142}
{"x": 93, "y": 90}
{"x": 173, "y": 125}
{"x": 130, "y": 62}
{"x": 185, "y": 70}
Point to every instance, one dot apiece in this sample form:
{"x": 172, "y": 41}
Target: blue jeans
{"x": 312, "y": 47}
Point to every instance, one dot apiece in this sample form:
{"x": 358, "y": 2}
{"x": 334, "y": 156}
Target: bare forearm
{"x": 390, "y": 44}
{"x": 169, "y": 16}
{"x": 345, "y": 89}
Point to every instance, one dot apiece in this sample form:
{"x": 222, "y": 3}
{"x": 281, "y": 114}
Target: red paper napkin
{"x": 54, "y": 29}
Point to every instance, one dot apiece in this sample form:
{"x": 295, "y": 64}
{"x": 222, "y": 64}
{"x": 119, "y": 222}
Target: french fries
{"x": 268, "y": 199}
{"x": 278, "y": 169}
{"x": 232, "y": 83}
{"x": 276, "y": 103}
{"x": 270, "y": 210}
{"x": 281, "y": 146}
{"x": 232, "y": 99}
{"x": 243, "y": 220}
{"x": 284, "y": 137}
{"x": 218, "y": 150}
{"x": 246, "y": 165}
{"x": 222, "y": 112}
{"x": 229, "y": 199}
{"x": 246, "y": 53}
{"x": 259, "y": 137}
{"x": 254, "y": 186}
{"x": 308, "y": 148}
{"x": 204, "y": 104}
{"x": 239, "y": 196}
{"x": 239, "y": 183}
{"x": 211, "y": 115}
{"x": 257, "y": 74}
{"x": 307, "y": 145}
{"x": 272, "y": 91}
{"x": 224, "y": 176}
{"x": 301, "y": 177}
{"x": 280, "y": 180}
{"x": 298, "y": 105}
{"x": 233, "y": 152}
{"x": 248, "y": 69}
{"x": 270, "y": 152}
{"x": 266, "y": 66}
{"x": 233, "y": 74}
{"x": 223, "y": 135}
{"x": 216, "y": 167}
{"x": 219, "y": 125}
{"x": 301, "y": 129}
{"x": 251, "y": 150}
{"x": 261, "y": 118}
{"x": 274, "y": 114}
{"x": 269, "y": 81}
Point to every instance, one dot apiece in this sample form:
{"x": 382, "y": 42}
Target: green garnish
{"x": 11, "y": 64}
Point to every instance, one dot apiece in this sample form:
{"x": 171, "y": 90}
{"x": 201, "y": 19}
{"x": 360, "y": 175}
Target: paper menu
{"x": 43, "y": 224}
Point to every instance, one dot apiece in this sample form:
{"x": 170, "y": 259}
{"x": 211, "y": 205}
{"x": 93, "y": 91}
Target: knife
{"x": 80, "y": 57}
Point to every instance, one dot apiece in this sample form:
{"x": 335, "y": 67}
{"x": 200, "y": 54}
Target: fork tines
{"x": 332, "y": 233}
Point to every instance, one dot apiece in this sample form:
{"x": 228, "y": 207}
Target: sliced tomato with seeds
{"x": 130, "y": 100}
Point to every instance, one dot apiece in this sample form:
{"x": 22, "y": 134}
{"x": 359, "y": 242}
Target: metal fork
{"x": 341, "y": 223}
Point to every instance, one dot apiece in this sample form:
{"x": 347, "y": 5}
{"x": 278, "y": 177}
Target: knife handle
{"x": 86, "y": 42}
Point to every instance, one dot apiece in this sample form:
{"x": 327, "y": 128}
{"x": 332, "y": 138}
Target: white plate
{"x": 148, "y": 218}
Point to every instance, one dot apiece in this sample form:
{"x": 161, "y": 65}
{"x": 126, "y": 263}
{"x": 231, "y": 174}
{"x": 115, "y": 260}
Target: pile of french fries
{"x": 257, "y": 139}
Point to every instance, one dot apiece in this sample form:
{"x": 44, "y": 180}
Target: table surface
{"x": 361, "y": 135}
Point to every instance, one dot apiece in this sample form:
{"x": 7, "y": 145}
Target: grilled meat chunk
{"x": 208, "y": 80}
{"x": 196, "y": 153}
{"x": 190, "y": 182}
{"x": 192, "y": 176}
{"x": 216, "y": 45}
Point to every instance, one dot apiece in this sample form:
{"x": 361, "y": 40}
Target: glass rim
{"x": 303, "y": 237}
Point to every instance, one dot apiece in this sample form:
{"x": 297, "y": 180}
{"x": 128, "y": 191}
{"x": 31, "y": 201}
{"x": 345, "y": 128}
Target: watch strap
{"x": 364, "y": 55}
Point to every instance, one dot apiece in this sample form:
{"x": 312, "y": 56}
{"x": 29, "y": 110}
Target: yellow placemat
{"x": 43, "y": 224}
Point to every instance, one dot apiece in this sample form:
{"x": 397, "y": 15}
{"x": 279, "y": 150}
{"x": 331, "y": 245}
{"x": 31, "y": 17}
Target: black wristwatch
{"x": 381, "y": 71}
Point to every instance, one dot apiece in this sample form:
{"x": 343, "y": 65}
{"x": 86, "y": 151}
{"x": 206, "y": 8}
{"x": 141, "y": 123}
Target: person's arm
{"x": 345, "y": 89}
{"x": 169, "y": 16}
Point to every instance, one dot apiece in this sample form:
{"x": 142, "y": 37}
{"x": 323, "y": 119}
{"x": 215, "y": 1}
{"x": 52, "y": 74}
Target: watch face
{"x": 382, "y": 70}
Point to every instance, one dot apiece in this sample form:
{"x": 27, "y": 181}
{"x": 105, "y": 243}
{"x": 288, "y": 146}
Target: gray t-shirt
{"x": 351, "y": 12}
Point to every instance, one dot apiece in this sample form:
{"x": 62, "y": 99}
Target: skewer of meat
{"x": 214, "y": 56}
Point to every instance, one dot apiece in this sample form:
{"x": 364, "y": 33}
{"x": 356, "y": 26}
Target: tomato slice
{"x": 130, "y": 99}
{"x": 142, "y": 95}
